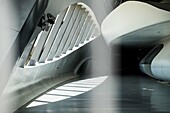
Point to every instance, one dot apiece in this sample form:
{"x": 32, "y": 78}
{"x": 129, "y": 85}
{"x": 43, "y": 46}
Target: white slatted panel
{"x": 75, "y": 37}
{"x": 72, "y": 26}
{"x": 69, "y": 41}
{"x": 67, "y": 31}
{"x": 39, "y": 47}
{"x": 28, "y": 49}
{"x": 95, "y": 32}
{"x": 61, "y": 32}
{"x": 90, "y": 32}
{"x": 52, "y": 36}
{"x": 87, "y": 31}
{"x": 83, "y": 29}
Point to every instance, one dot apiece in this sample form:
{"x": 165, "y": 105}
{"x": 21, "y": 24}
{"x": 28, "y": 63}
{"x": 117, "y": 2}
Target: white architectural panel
{"x": 67, "y": 30}
{"x": 52, "y": 35}
{"x": 61, "y": 32}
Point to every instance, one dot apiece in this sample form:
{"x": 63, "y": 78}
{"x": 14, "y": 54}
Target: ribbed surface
{"x": 73, "y": 26}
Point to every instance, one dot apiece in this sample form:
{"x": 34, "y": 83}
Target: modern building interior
{"x": 85, "y": 56}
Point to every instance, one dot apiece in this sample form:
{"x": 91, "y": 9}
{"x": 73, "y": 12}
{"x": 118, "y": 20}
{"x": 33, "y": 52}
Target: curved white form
{"x": 160, "y": 65}
{"x": 132, "y": 16}
{"x": 145, "y": 64}
{"x": 137, "y": 23}
{"x": 68, "y": 90}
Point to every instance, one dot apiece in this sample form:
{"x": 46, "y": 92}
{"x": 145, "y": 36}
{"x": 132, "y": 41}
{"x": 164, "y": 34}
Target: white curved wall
{"x": 138, "y": 22}
{"x": 160, "y": 65}
{"x": 129, "y": 17}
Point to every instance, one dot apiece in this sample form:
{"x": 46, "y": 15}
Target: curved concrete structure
{"x": 136, "y": 23}
{"x": 53, "y": 53}
{"x": 35, "y": 67}
{"x": 145, "y": 64}
{"x": 59, "y": 39}
{"x": 140, "y": 24}
{"x": 160, "y": 66}
{"x": 62, "y": 38}
{"x": 51, "y": 56}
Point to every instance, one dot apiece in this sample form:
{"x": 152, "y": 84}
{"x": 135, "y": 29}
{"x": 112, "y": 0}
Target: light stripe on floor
{"x": 68, "y": 90}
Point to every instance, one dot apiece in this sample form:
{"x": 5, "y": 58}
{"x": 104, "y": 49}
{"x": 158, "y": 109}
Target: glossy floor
{"x": 117, "y": 94}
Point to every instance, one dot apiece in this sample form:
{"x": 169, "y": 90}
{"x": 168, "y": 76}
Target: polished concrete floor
{"x": 117, "y": 94}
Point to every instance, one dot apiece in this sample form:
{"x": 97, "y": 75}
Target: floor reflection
{"x": 143, "y": 94}
{"x": 120, "y": 94}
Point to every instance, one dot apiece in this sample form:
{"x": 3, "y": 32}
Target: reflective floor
{"x": 143, "y": 94}
{"x": 115, "y": 94}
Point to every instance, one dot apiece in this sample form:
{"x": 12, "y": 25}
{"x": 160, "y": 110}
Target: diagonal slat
{"x": 82, "y": 30}
{"x": 61, "y": 32}
{"x": 90, "y": 33}
{"x": 39, "y": 47}
{"x": 86, "y": 31}
{"x": 73, "y": 30}
{"x": 73, "y": 42}
{"x": 27, "y": 51}
{"x": 52, "y": 35}
{"x": 67, "y": 31}
{"x": 95, "y": 32}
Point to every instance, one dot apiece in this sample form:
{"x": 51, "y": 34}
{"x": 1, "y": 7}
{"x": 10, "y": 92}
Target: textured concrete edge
{"x": 22, "y": 96}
